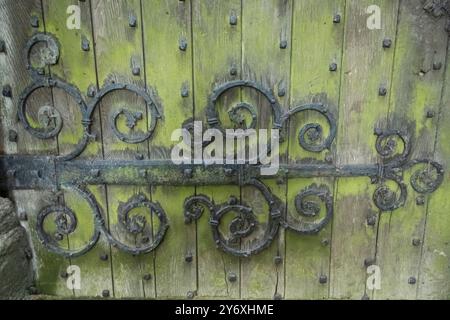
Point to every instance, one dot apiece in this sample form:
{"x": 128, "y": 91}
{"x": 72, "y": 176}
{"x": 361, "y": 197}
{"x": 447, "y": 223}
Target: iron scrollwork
{"x": 314, "y": 204}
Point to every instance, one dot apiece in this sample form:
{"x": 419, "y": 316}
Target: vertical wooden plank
{"x": 169, "y": 71}
{"x": 266, "y": 61}
{"x": 16, "y": 30}
{"x": 119, "y": 49}
{"x": 433, "y": 278}
{"x": 216, "y": 50}
{"x": 366, "y": 67}
{"x": 316, "y": 45}
{"x": 77, "y": 67}
{"x": 416, "y": 90}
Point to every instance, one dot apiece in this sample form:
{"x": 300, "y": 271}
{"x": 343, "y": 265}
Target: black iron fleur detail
{"x": 313, "y": 205}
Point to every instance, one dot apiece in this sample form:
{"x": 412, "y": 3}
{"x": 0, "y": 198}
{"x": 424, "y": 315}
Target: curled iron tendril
{"x": 308, "y": 208}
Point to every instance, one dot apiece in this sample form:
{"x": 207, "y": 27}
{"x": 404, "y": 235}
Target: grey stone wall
{"x": 16, "y": 270}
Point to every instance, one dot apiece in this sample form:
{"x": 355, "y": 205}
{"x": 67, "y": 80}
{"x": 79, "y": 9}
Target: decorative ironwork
{"x": 437, "y": 9}
{"x": 314, "y": 204}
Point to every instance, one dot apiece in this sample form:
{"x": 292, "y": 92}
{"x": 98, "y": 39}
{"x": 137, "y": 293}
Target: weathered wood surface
{"x": 218, "y": 51}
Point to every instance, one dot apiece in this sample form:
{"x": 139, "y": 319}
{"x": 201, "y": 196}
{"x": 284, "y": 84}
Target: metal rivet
{"x": 277, "y": 296}
{"x": 325, "y": 242}
{"x": 184, "y": 91}
{"x": 323, "y": 279}
{"x": 233, "y": 19}
{"x": 2, "y": 46}
{"x": 188, "y": 257}
{"x": 105, "y": 293}
{"x": 7, "y": 91}
{"x": 278, "y": 260}
{"x": 412, "y": 280}
{"x": 12, "y": 135}
{"x": 64, "y": 274}
{"x": 281, "y": 92}
{"x": 232, "y": 201}
{"x": 371, "y": 220}
{"x": 190, "y": 295}
{"x": 369, "y": 262}
{"x": 437, "y": 65}
{"x": 145, "y": 239}
{"x": 387, "y": 43}
{"x": 91, "y": 91}
{"x": 329, "y": 158}
{"x": 132, "y": 21}
{"x": 233, "y": 71}
{"x": 85, "y": 45}
{"x": 281, "y": 181}
{"x": 136, "y": 71}
{"x": 337, "y": 18}
{"x": 147, "y": 277}
{"x": 139, "y": 156}
{"x": 232, "y": 277}
{"x": 183, "y": 44}
{"x": 382, "y": 91}
{"x": 34, "y": 21}
{"x": 420, "y": 200}
{"x": 430, "y": 114}
{"x": 283, "y": 44}
{"x": 22, "y": 215}
{"x": 104, "y": 257}
{"x": 416, "y": 242}
{"x": 333, "y": 66}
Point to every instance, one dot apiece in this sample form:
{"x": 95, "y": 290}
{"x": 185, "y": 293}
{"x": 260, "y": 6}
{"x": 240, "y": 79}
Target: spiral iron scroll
{"x": 313, "y": 205}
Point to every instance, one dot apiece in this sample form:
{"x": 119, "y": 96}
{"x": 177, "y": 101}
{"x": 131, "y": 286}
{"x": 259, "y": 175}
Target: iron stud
{"x": 188, "y": 258}
{"x": 371, "y": 220}
{"x": 382, "y": 91}
{"x": 412, "y": 280}
{"x": 105, "y": 293}
{"x": 416, "y": 242}
{"x": 232, "y": 277}
{"x": 190, "y": 295}
{"x": 420, "y": 200}
{"x": 368, "y": 262}
{"x": 233, "y": 71}
{"x": 278, "y": 260}
{"x": 85, "y": 45}
{"x": 233, "y": 19}
{"x": 12, "y": 135}
{"x": 387, "y": 43}
{"x": 333, "y": 66}
{"x": 91, "y": 91}
{"x": 104, "y": 257}
{"x": 136, "y": 71}
{"x": 139, "y": 156}
{"x": 147, "y": 277}
{"x": 277, "y": 296}
{"x": 132, "y": 21}
{"x": 2, "y": 46}
{"x": 7, "y": 91}
{"x": 337, "y": 18}
{"x": 34, "y": 21}
{"x": 430, "y": 114}
{"x": 283, "y": 44}
{"x": 325, "y": 242}
{"x": 323, "y": 279}
{"x": 183, "y": 44}
{"x": 437, "y": 65}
